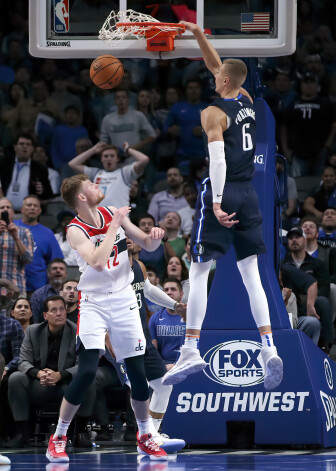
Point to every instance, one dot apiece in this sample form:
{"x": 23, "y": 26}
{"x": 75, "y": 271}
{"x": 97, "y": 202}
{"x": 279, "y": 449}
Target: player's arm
{"x": 209, "y": 53}
{"x": 214, "y": 124}
{"x": 157, "y": 296}
{"x": 97, "y": 257}
{"x": 142, "y": 160}
{"x": 148, "y": 242}
{"x": 77, "y": 163}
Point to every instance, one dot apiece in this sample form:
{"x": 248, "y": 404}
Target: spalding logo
{"x": 236, "y": 363}
{"x": 97, "y": 65}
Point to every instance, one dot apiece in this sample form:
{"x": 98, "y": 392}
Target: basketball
{"x": 106, "y": 72}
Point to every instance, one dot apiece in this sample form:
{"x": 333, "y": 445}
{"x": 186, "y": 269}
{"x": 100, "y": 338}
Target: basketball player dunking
{"x": 107, "y": 303}
{"x": 226, "y": 199}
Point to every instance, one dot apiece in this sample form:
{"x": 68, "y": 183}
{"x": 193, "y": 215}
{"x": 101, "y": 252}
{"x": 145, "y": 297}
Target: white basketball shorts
{"x": 115, "y": 313}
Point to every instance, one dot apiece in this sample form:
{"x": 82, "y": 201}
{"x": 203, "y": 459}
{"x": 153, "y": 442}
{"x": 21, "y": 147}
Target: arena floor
{"x": 127, "y": 459}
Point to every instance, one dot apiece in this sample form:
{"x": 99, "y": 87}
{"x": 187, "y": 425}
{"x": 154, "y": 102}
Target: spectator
{"x": 187, "y": 213}
{"x": 16, "y": 248}
{"x": 46, "y": 366}
{"x": 171, "y": 199}
{"x": 172, "y": 96}
{"x": 126, "y": 125}
{"x": 109, "y": 101}
{"x": 24, "y": 116}
{"x": 324, "y": 196}
{"x": 138, "y": 203}
{"x": 61, "y": 95}
{"x": 175, "y": 268}
{"x": 186, "y": 257}
{"x": 40, "y": 156}
{"x": 145, "y": 106}
{"x": 154, "y": 280}
{"x": 171, "y": 224}
{"x": 167, "y": 328}
{"x": 64, "y": 218}
{"x": 304, "y": 315}
{"x": 114, "y": 182}
{"x": 282, "y": 95}
{"x": 162, "y": 253}
{"x": 306, "y": 129}
{"x": 65, "y": 136}
{"x": 57, "y": 272}
{"x": 327, "y": 233}
{"x": 299, "y": 258}
{"x": 184, "y": 123}
{"x": 289, "y": 206}
{"x": 6, "y": 300}
{"x": 326, "y": 254}
{"x": 46, "y": 247}
{"x": 21, "y": 311}
{"x": 11, "y": 337}
{"x": 16, "y": 93}
{"x": 22, "y": 176}
{"x": 70, "y": 295}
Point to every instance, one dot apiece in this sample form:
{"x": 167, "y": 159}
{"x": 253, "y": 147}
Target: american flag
{"x": 255, "y": 22}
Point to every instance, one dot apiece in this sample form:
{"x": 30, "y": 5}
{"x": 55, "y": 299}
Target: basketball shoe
{"x": 190, "y": 362}
{"x": 169, "y": 445}
{"x": 56, "y": 449}
{"x": 273, "y": 367}
{"x": 147, "y": 446}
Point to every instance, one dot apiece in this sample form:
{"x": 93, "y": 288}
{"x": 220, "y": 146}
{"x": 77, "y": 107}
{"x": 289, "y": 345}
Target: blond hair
{"x": 71, "y": 187}
{"x": 237, "y": 71}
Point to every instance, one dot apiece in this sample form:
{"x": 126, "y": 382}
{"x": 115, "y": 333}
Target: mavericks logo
{"x": 236, "y": 363}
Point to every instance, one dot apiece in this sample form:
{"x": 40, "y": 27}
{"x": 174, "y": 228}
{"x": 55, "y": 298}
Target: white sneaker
{"x": 169, "y": 445}
{"x": 4, "y": 460}
{"x": 273, "y": 367}
{"x": 190, "y": 362}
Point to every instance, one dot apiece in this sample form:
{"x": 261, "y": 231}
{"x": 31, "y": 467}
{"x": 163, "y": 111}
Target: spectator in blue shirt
{"x": 167, "y": 328}
{"x": 327, "y": 233}
{"x": 63, "y": 146}
{"x": 184, "y": 123}
{"x": 46, "y": 247}
{"x": 57, "y": 273}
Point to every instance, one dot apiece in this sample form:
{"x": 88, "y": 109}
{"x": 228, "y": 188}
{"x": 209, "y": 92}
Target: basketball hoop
{"x": 129, "y": 23}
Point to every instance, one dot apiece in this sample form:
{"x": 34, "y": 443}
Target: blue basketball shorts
{"x": 210, "y": 240}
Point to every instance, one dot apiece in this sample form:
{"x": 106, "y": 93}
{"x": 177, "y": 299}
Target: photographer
{"x": 16, "y": 248}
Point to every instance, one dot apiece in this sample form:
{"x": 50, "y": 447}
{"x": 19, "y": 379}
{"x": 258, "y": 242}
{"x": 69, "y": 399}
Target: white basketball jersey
{"x": 117, "y": 273}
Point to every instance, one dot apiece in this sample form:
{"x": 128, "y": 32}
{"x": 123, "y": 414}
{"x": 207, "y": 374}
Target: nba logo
{"x": 61, "y": 16}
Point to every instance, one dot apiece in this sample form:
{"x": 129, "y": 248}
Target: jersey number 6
{"x": 247, "y": 138}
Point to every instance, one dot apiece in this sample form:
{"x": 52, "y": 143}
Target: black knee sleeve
{"x": 135, "y": 367}
{"x": 87, "y": 368}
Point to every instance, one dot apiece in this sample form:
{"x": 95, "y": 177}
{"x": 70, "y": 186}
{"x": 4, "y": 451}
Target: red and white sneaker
{"x": 147, "y": 446}
{"x": 56, "y": 449}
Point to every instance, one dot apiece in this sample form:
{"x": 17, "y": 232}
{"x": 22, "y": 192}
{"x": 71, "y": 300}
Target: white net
{"x": 111, "y": 32}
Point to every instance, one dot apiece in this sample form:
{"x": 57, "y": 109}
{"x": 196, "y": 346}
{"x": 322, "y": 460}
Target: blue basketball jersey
{"x": 239, "y": 137}
{"x": 138, "y": 284}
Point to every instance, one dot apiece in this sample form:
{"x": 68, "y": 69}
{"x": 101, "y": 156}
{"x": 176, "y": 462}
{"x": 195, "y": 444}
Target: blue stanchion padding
{"x": 302, "y": 410}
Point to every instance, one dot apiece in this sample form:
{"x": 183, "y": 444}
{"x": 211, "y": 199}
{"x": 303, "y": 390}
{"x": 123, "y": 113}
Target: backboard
{"x": 236, "y": 28}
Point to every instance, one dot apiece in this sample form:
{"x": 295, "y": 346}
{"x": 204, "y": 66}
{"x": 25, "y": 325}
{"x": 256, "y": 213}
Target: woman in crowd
{"x": 176, "y": 268}
{"x": 21, "y": 311}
